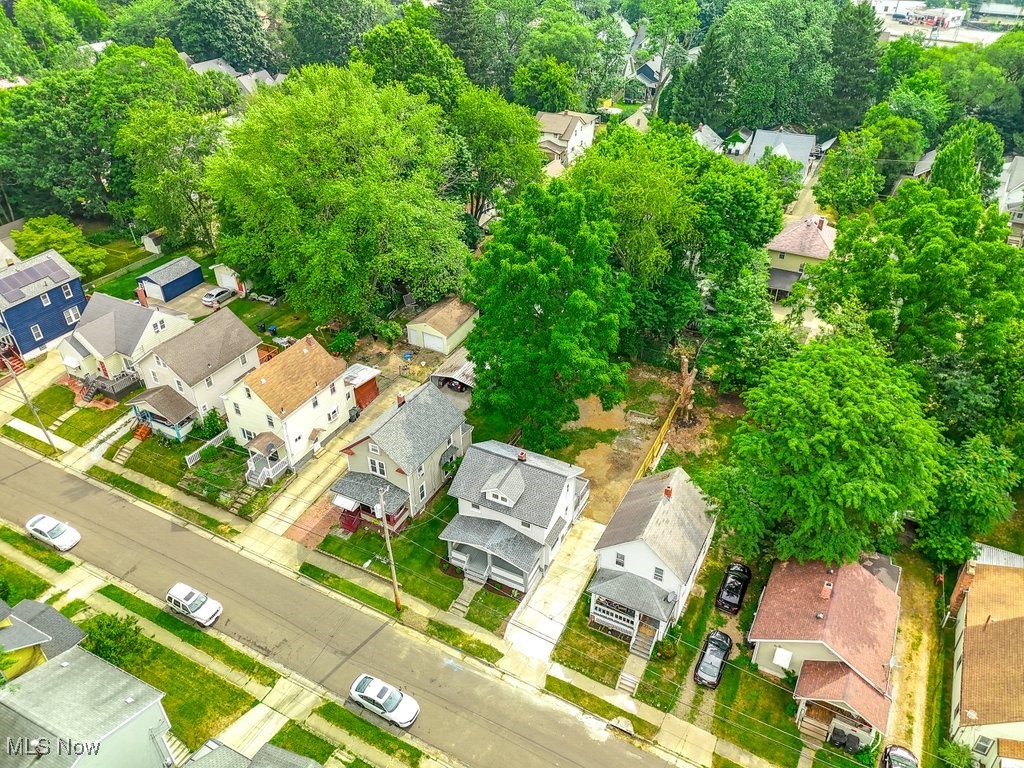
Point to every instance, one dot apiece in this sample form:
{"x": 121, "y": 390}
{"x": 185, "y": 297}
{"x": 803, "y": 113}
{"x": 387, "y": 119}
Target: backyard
{"x": 289, "y": 321}
{"x": 123, "y": 286}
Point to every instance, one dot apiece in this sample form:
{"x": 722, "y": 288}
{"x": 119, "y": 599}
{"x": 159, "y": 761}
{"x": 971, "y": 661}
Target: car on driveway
{"x": 896, "y": 756}
{"x": 58, "y": 535}
{"x": 216, "y": 296}
{"x": 391, "y": 703}
{"x": 733, "y": 588}
{"x": 713, "y": 656}
{"x": 193, "y": 604}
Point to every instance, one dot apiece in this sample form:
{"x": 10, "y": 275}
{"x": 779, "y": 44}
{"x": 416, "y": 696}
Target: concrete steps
{"x": 813, "y": 732}
{"x": 242, "y": 498}
{"x": 461, "y": 604}
{"x": 628, "y": 683}
{"x": 126, "y": 450}
{"x": 179, "y": 752}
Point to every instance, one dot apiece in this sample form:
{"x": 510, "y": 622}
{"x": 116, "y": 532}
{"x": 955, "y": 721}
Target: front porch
{"x": 488, "y": 549}
{"x": 265, "y": 464}
{"x": 481, "y": 566}
{"x": 357, "y": 496}
{"x": 823, "y": 721}
{"x": 165, "y": 411}
{"x": 633, "y": 627}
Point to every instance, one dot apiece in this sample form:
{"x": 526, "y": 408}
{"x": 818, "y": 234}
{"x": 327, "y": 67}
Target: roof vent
{"x": 262, "y": 380}
{"x": 65, "y": 663}
{"x": 671, "y": 597}
{"x": 305, "y": 350}
{"x": 826, "y": 590}
{"x": 819, "y": 616}
{"x": 521, "y": 456}
{"x": 130, "y": 700}
{"x": 668, "y": 491}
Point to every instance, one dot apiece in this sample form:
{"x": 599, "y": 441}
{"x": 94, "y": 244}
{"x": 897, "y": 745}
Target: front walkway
{"x": 37, "y": 378}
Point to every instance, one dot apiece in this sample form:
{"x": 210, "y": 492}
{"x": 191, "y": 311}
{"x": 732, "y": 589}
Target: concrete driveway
{"x": 190, "y": 302}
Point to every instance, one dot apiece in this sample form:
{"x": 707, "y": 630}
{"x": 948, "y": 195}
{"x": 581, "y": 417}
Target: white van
{"x": 201, "y": 608}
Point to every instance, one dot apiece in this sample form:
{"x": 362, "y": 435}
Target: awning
{"x": 782, "y": 279}
{"x": 265, "y": 443}
{"x": 346, "y": 503}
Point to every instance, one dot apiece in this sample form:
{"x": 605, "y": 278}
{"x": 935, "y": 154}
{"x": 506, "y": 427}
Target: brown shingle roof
{"x": 992, "y": 685}
{"x": 294, "y": 376}
{"x": 835, "y": 681}
{"x": 812, "y": 236}
{"x": 446, "y": 316}
{"x": 1011, "y": 748}
{"x": 858, "y": 620}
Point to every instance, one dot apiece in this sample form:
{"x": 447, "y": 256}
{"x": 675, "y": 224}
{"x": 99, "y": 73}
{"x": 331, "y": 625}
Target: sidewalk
{"x": 37, "y": 378}
{"x": 32, "y": 430}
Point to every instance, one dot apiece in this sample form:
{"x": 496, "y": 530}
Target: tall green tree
{"x": 902, "y": 138}
{"x": 785, "y": 176}
{"x": 702, "y": 93}
{"x": 547, "y": 85}
{"x": 833, "y": 451}
{"x": 44, "y": 27}
{"x": 143, "y": 21}
{"x": 922, "y": 97}
{"x": 900, "y": 58}
{"x": 228, "y": 29}
{"x": 987, "y": 148}
{"x": 551, "y": 307}
{"x": 854, "y": 58}
{"x": 16, "y": 57}
{"x": 849, "y": 180}
{"x": 88, "y": 18}
{"x": 41, "y": 234}
{"x": 468, "y": 27}
{"x": 340, "y": 213}
{"x": 668, "y": 24}
{"x": 327, "y": 30}
{"x": 954, "y": 169}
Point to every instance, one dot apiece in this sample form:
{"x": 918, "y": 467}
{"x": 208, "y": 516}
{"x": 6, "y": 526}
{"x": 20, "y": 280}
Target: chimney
{"x": 668, "y": 491}
{"x": 521, "y": 456}
{"x": 821, "y": 223}
{"x": 961, "y": 588}
{"x": 819, "y": 616}
{"x": 826, "y": 590}
{"x": 400, "y": 400}
{"x": 140, "y": 292}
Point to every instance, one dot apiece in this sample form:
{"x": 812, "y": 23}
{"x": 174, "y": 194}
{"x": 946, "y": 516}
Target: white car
{"x": 385, "y": 700}
{"x": 58, "y": 535}
{"x": 199, "y": 607}
{"x": 216, "y": 296}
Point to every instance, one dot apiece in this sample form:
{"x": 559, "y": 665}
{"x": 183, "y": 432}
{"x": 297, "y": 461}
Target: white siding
{"x": 155, "y": 375}
{"x": 764, "y": 652}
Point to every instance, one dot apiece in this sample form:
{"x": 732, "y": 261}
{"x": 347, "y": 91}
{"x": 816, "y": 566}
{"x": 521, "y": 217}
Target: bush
{"x": 472, "y": 232}
{"x": 211, "y": 425}
{"x": 389, "y": 331}
{"x": 955, "y": 755}
{"x": 116, "y": 639}
{"x": 663, "y": 649}
{"x": 343, "y": 343}
{"x": 5, "y": 590}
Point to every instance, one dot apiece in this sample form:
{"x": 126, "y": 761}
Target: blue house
{"x": 172, "y": 279}
{"x": 41, "y": 299}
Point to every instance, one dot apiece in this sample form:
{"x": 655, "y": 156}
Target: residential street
{"x": 467, "y": 714}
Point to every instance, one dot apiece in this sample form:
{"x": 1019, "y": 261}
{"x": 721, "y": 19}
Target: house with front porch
{"x": 111, "y": 337}
{"x": 515, "y": 509}
{"x": 287, "y": 409}
{"x": 834, "y": 628}
{"x": 187, "y": 375}
{"x": 648, "y": 559}
{"x": 407, "y": 453}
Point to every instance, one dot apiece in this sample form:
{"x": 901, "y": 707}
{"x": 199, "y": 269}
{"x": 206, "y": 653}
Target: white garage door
{"x": 154, "y": 291}
{"x": 415, "y": 337}
{"x": 430, "y": 341}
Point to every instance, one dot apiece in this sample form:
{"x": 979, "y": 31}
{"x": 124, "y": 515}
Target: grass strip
{"x": 490, "y": 609}
{"x": 297, "y": 739}
{"x": 73, "y": 608}
{"x": 464, "y": 641}
{"x": 35, "y": 550}
{"x": 159, "y": 500}
{"x": 39, "y": 446}
{"x": 21, "y": 582}
{"x": 370, "y": 733}
{"x": 350, "y": 588}
{"x": 192, "y": 635}
{"x": 597, "y": 705}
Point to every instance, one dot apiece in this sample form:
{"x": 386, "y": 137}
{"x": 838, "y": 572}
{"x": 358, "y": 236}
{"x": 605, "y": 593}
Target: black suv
{"x": 734, "y": 587}
{"x": 898, "y": 757}
{"x": 712, "y": 659}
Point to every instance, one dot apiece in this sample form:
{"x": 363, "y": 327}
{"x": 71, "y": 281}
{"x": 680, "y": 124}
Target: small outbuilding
{"x": 172, "y": 279}
{"x": 151, "y": 241}
{"x": 457, "y": 368}
{"x": 228, "y": 278}
{"x": 443, "y": 326}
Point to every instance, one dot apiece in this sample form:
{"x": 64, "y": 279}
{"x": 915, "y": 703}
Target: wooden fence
{"x": 656, "y": 445}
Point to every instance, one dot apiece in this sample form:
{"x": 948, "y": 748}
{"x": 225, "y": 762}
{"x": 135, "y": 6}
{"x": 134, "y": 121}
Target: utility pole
{"x": 391, "y": 557}
{"x": 29, "y": 403}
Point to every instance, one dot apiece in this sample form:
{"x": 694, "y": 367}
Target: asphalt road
{"x": 466, "y": 713}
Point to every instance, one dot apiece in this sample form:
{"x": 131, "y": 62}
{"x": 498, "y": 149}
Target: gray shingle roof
{"x": 206, "y": 347}
{"x": 111, "y": 325}
{"x": 170, "y": 271}
{"x": 270, "y": 756}
{"x": 408, "y": 434}
{"x": 497, "y": 538}
{"x": 924, "y": 165}
{"x": 365, "y": 488}
{"x": 31, "y": 277}
{"x": 1011, "y": 185}
{"x": 165, "y": 401}
{"x": 5, "y": 610}
{"x": 20, "y": 634}
{"x": 632, "y": 591}
{"x": 675, "y": 529}
{"x": 75, "y": 696}
{"x": 795, "y": 146}
{"x": 533, "y": 485}
{"x": 63, "y": 632}
{"x": 213, "y": 754}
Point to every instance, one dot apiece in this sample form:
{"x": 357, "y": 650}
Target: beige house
{"x": 799, "y": 245}
{"x": 987, "y": 714}
{"x": 1010, "y": 196}
{"x": 443, "y": 326}
{"x": 406, "y": 453}
{"x": 566, "y": 135}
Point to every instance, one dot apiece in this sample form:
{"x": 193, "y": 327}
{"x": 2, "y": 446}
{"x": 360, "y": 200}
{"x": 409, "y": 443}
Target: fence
{"x": 193, "y": 458}
{"x": 149, "y": 259}
{"x": 656, "y": 445}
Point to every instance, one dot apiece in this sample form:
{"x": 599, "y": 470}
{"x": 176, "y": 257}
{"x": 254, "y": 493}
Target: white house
{"x": 78, "y": 698}
{"x": 515, "y": 508}
{"x": 285, "y": 410}
{"x": 706, "y": 136}
{"x": 215, "y": 754}
{"x": 987, "y": 707}
{"x": 792, "y": 146}
{"x": 1010, "y": 196}
{"x": 188, "y": 375}
{"x": 566, "y": 135}
{"x": 648, "y": 558}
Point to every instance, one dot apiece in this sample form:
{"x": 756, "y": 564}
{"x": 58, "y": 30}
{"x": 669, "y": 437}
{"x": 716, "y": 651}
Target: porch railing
{"x": 260, "y": 477}
{"x": 193, "y": 458}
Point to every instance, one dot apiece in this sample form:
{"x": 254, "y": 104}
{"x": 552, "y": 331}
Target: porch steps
{"x": 16, "y": 363}
{"x": 461, "y": 604}
{"x": 179, "y": 752}
{"x": 143, "y": 431}
{"x": 628, "y": 683}
{"x": 126, "y": 450}
{"x": 242, "y": 498}
{"x": 56, "y": 423}
{"x": 813, "y": 732}
{"x": 642, "y": 645}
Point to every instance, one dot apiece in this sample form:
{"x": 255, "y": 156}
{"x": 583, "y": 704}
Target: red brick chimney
{"x": 961, "y": 588}
{"x": 521, "y": 456}
{"x": 821, "y": 223}
{"x": 401, "y": 400}
{"x": 141, "y": 293}
{"x": 826, "y": 590}
{"x": 668, "y": 491}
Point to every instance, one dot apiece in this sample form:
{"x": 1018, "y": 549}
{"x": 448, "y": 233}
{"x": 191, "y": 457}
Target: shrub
{"x": 116, "y": 639}
{"x": 211, "y": 425}
{"x": 343, "y": 342}
{"x": 663, "y": 649}
{"x": 5, "y": 590}
{"x": 955, "y": 755}
{"x": 389, "y": 331}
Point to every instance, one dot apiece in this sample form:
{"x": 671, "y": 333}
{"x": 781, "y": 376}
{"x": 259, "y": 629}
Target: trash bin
{"x": 273, "y": 330}
{"x": 262, "y": 327}
{"x": 407, "y": 356}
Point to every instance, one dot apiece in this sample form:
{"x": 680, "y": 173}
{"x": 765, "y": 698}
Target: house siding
{"x": 200, "y": 395}
{"x": 136, "y": 744}
{"x": 764, "y": 650}
{"x": 20, "y": 318}
{"x": 451, "y": 343}
{"x": 791, "y": 262}
{"x": 116, "y": 363}
{"x": 177, "y": 286}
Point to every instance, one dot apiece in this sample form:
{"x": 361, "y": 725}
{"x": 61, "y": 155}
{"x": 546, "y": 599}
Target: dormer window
{"x": 495, "y": 496}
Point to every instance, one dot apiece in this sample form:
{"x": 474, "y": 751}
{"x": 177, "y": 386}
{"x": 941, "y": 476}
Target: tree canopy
{"x": 326, "y": 30}
{"x": 41, "y": 234}
{"x": 228, "y": 29}
{"x": 849, "y": 180}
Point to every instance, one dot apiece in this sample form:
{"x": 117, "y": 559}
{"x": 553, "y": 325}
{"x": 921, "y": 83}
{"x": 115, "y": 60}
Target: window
{"x": 247, "y": 435}
{"x": 495, "y": 496}
{"x": 423, "y": 491}
{"x": 374, "y": 449}
{"x": 334, "y": 387}
{"x": 159, "y": 361}
{"x": 983, "y": 745}
{"x": 36, "y": 333}
{"x": 71, "y": 315}
{"x": 377, "y": 468}
{"x": 348, "y": 395}
{"x": 45, "y": 298}
{"x": 298, "y": 438}
{"x": 209, "y": 382}
{"x": 450, "y": 441}
{"x": 153, "y": 375}
{"x": 524, "y": 524}
{"x": 156, "y": 326}
{"x": 66, "y": 288}
{"x": 242, "y": 359}
{"x": 782, "y": 256}
{"x": 332, "y": 416}
{"x": 178, "y": 385}
{"x": 238, "y": 411}
{"x": 270, "y": 421}
{"x": 475, "y": 506}
{"x": 204, "y": 408}
{"x": 419, "y": 471}
{"x": 248, "y": 393}
{"x": 620, "y": 560}
{"x": 659, "y": 574}
{"x": 316, "y": 401}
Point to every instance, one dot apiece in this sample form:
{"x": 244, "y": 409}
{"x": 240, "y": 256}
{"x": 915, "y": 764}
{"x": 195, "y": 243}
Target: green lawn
{"x": 219, "y": 477}
{"x": 73, "y": 608}
{"x": 1009, "y": 535}
{"x": 487, "y": 425}
{"x": 297, "y": 739}
{"x": 162, "y": 459}
{"x": 123, "y": 287}
{"x": 193, "y": 636}
{"x": 589, "y": 651}
{"x": 119, "y": 254}
{"x": 464, "y": 641}
{"x": 582, "y": 439}
{"x": 115, "y": 446}
{"x": 346, "y": 587}
{"x": 87, "y": 423}
{"x": 370, "y": 733}
{"x": 23, "y": 584}
{"x": 52, "y": 402}
{"x": 198, "y": 703}
{"x": 289, "y": 321}
{"x": 44, "y": 554}
{"x": 490, "y": 609}
{"x": 39, "y": 446}
{"x": 647, "y": 395}
{"x": 600, "y": 707}
{"x": 717, "y": 761}
{"x": 418, "y": 553}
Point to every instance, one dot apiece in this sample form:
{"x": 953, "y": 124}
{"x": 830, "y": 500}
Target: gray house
{"x": 792, "y": 146}
{"x": 515, "y": 508}
{"x": 213, "y": 754}
{"x": 403, "y": 453}
{"x": 77, "y": 697}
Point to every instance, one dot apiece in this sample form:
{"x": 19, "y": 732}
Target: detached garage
{"x": 172, "y": 279}
{"x": 443, "y": 326}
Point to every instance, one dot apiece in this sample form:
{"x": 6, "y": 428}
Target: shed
{"x": 172, "y": 279}
{"x": 443, "y": 326}
{"x": 363, "y": 380}
{"x": 152, "y": 240}
{"x": 226, "y": 277}
{"x": 458, "y": 367}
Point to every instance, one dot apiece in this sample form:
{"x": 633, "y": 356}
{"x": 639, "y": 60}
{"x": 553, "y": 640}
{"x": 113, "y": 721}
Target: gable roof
{"x": 795, "y": 146}
{"x": 170, "y": 271}
{"x": 1011, "y": 185}
{"x": 924, "y": 165}
{"x": 409, "y": 433}
{"x": 447, "y": 315}
{"x": 859, "y": 617}
{"x": 62, "y": 632}
{"x": 639, "y": 121}
{"x": 206, "y": 347}
{"x": 706, "y": 136}
{"x": 111, "y": 325}
{"x": 19, "y": 633}
{"x": 835, "y": 681}
{"x": 563, "y": 123}
{"x": 31, "y": 277}
{"x": 634, "y": 592}
{"x": 75, "y": 696}
{"x": 166, "y": 401}
{"x": 650, "y": 72}
{"x": 674, "y": 528}
{"x": 533, "y": 486}
{"x": 812, "y": 236}
{"x": 218, "y": 65}
{"x": 291, "y": 378}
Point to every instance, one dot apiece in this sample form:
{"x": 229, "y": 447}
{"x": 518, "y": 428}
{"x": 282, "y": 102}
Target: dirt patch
{"x": 392, "y": 362}
{"x": 705, "y": 436}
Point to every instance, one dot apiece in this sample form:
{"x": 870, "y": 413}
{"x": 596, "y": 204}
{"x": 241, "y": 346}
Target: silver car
{"x": 391, "y": 703}
{"x": 216, "y": 296}
{"x": 58, "y": 535}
